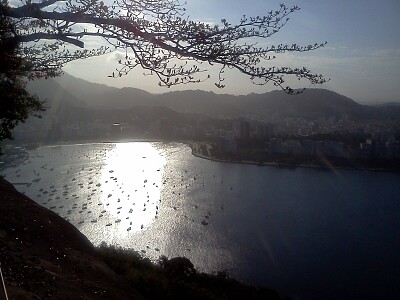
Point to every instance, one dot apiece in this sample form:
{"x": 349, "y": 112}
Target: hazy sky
{"x": 362, "y": 58}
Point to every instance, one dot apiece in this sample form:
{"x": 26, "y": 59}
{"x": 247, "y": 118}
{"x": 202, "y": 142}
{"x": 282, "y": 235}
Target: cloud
{"x": 115, "y": 57}
{"x": 386, "y": 53}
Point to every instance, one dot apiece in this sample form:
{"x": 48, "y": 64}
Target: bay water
{"x": 308, "y": 233}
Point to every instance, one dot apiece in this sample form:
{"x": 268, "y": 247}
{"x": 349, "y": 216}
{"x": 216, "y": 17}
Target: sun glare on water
{"x": 132, "y": 182}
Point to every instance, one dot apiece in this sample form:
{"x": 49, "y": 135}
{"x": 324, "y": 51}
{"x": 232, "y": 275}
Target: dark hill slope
{"x": 43, "y": 256}
{"x": 311, "y": 101}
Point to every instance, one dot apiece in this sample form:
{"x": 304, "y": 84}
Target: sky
{"x": 361, "y": 59}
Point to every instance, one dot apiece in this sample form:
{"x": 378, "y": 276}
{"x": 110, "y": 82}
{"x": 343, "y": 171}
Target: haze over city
{"x": 361, "y": 59}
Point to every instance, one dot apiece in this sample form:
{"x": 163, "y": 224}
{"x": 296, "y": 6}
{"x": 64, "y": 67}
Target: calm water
{"x": 310, "y": 234}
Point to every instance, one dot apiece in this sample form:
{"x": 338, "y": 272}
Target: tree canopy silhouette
{"x": 16, "y": 103}
{"x": 155, "y": 35}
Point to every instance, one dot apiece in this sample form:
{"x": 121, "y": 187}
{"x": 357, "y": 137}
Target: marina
{"x": 294, "y": 230}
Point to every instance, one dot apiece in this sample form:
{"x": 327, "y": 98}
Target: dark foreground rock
{"x": 43, "y": 256}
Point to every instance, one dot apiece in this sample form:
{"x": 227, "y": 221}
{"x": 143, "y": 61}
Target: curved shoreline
{"x": 288, "y": 166}
{"x": 191, "y": 144}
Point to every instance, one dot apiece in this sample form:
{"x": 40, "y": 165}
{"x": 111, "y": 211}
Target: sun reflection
{"x": 131, "y": 185}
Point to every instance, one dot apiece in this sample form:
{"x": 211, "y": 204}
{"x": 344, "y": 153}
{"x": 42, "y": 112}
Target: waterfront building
{"x": 275, "y": 145}
{"x": 241, "y": 129}
{"x": 308, "y": 147}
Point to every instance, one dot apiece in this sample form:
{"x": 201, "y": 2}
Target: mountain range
{"x": 74, "y": 98}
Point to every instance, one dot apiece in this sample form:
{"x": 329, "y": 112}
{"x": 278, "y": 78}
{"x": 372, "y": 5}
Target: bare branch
{"x": 48, "y": 36}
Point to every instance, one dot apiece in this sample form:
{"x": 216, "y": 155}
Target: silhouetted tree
{"x": 152, "y": 34}
{"x": 16, "y": 103}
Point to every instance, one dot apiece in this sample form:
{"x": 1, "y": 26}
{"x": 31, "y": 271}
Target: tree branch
{"x": 158, "y": 36}
{"x": 48, "y": 36}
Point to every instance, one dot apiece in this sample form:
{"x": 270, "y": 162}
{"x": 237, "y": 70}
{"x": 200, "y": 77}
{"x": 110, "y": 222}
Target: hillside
{"x": 44, "y": 256}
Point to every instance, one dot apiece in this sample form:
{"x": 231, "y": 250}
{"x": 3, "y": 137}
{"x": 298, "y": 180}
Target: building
{"x": 329, "y": 149}
{"x": 292, "y": 147}
{"x": 393, "y": 150}
{"x": 241, "y": 129}
{"x": 308, "y": 147}
{"x": 116, "y": 130}
{"x": 365, "y": 150}
{"x": 275, "y": 145}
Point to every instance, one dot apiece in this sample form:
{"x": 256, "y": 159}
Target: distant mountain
{"x": 50, "y": 91}
{"x": 389, "y": 104}
{"x": 312, "y": 103}
{"x": 101, "y": 95}
{"x": 62, "y": 106}
{"x": 82, "y": 89}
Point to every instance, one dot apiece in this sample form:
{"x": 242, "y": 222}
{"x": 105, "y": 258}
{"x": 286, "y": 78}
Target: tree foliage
{"x": 155, "y": 35}
{"x": 16, "y": 103}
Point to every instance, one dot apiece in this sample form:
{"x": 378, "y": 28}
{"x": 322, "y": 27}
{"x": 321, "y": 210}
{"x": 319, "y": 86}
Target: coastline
{"x": 326, "y": 167}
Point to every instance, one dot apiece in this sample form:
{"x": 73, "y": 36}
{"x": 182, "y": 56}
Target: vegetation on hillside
{"x": 176, "y": 278}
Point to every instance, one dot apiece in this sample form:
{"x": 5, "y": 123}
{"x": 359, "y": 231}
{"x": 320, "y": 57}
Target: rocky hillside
{"x": 43, "y": 256}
